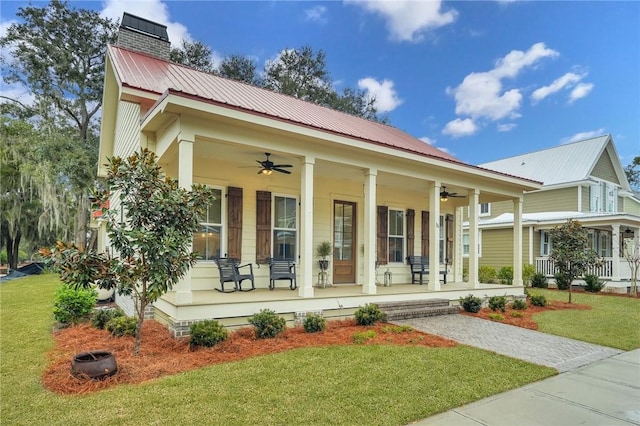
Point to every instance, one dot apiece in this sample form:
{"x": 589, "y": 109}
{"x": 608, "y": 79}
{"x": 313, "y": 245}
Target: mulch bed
{"x": 526, "y": 321}
{"x": 161, "y": 354}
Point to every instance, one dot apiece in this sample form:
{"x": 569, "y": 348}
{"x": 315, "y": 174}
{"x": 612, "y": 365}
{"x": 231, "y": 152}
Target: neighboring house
{"x": 584, "y": 181}
{"x": 371, "y": 190}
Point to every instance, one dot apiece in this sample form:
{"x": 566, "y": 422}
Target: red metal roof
{"x": 140, "y": 71}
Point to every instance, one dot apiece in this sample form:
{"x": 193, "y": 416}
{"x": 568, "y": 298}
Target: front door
{"x": 344, "y": 242}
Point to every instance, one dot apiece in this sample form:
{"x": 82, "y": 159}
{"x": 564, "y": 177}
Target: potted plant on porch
{"x": 322, "y": 251}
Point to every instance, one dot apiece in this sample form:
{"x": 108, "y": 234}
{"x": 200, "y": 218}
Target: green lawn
{"x": 341, "y": 385}
{"x": 611, "y": 321}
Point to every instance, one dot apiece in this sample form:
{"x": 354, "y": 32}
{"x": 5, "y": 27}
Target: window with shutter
{"x": 450, "y": 229}
{"x": 234, "y": 222}
{"x": 263, "y": 226}
{"x": 396, "y": 235}
{"x": 285, "y": 227}
{"x": 410, "y": 231}
{"x": 207, "y": 241}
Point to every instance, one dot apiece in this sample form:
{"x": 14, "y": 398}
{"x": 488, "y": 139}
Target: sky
{"x": 481, "y": 80}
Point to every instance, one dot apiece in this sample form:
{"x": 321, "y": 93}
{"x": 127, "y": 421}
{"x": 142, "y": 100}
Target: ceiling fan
{"x": 269, "y": 167}
{"x": 444, "y": 194}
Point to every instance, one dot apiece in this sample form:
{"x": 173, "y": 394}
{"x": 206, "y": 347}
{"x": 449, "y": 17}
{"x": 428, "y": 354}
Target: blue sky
{"x": 482, "y": 80}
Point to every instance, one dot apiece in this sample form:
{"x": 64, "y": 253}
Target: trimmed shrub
{"x": 267, "y": 324}
{"x": 72, "y": 306}
{"x": 496, "y": 317}
{"x": 101, "y": 317}
{"x": 539, "y": 280}
{"x": 528, "y": 271}
{"x": 519, "y": 304}
{"x": 471, "y": 303}
{"x": 593, "y": 284}
{"x": 538, "y": 300}
{"x": 517, "y": 314}
{"x": 498, "y": 303}
{"x": 362, "y": 336}
{"x": 505, "y": 275}
{"x": 314, "y": 323}
{"x": 486, "y": 274}
{"x": 122, "y": 326}
{"x": 207, "y": 333}
{"x": 369, "y": 314}
{"x": 562, "y": 281}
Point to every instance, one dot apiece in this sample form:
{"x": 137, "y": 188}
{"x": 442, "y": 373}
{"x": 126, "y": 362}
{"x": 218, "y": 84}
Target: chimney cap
{"x": 135, "y": 23}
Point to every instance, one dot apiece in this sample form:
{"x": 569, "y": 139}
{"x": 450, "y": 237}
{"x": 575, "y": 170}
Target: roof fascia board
{"x": 627, "y": 219}
{"x": 174, "y": 102}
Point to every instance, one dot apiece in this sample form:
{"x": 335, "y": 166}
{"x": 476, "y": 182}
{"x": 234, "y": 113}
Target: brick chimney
{"x": 144, "y": 36}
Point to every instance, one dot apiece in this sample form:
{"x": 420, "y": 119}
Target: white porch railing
{"x": 605, "y": 270}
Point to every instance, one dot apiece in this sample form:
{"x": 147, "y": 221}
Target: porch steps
{"x": 417, "y": 308}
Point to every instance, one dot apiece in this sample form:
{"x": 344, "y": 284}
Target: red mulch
{"x": 527, "y": 319}
{"x": 161, "y": 354}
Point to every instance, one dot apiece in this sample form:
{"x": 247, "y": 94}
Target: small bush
{"x": 314, "y": 323}
{"x": 517, "y": 314}
{"x": 207, "y": 333}
{"x": 496, "y": 317}
{"x": 122, "y": 326}
{"x": 397, "y": 329}
{"x": 101, "y": 317}
{"x": 593, "y": 283}
{"x": 486, "y": 274}
{"x": 562, "y": 281}
{"x": 498, "y": 303}
{"x": 72, "y": 306}
{"x": 505, "y": 274}
{"x": 369, "y": 314}
{"x": 267, "y": 324}
{"x": 362, "y": 336}
{"x": 528, "y": 271}
{"x": 538, "y": 300}
{"x": 539, "y": 280}
{"x": 519, "y": 304}
{"x": 471, "y": 303}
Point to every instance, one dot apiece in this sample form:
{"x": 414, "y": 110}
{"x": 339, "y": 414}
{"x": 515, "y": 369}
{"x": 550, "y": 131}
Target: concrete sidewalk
{"x": 606, "y": 392}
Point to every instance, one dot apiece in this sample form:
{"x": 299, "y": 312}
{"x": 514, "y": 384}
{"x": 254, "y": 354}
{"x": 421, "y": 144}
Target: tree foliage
{"x": 570, "y": 251}
{"x": 153, "y": 240}
{"x": 633, "y": 173}
{"x": 194, "y": 54}
{"x": 58, "y": 54}
{"x": 240, "y": 68}
{"x": 631, "y": 253}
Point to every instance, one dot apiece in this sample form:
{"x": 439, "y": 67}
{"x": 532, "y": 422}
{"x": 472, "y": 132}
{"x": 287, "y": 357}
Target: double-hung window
{"x": 207, "y": 241}
{"x": 285, "y": 227}
{"x": 396, "y": 235}
{"x": 466, "y": 246}
{"x": 485, "y": 209}
{"x": 545, "y": 243}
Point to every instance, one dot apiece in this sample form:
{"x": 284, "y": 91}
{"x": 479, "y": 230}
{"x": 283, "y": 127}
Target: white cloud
{"x": 409, "y": 20}
{"x": 481, "y": 94}
{"x": 580, "y": 91}
{"x": 506, "y": 127}
{"x": 584, "y": 135}
{"x": 432, "y": 142}
{"x": 316, "y": 14}
{"x": 386, "y": 98}
{"x": 153, "y": 10}
{"x": 460, "y": 127}
{"x": 567, "y": 80}
{"x": 5, "y": 52}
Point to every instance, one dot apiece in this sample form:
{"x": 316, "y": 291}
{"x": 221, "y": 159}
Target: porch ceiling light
{"x": 266, "y": 172}
{"x": 443, "y": 198}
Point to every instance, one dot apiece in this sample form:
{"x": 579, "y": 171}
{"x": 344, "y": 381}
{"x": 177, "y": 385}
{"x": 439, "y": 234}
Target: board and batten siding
{"x": 556, "y": 200}
{"x": 605, "y": 170}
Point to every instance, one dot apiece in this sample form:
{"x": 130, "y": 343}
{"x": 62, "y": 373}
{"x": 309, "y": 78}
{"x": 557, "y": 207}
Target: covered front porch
{"x": 338, "y": 301}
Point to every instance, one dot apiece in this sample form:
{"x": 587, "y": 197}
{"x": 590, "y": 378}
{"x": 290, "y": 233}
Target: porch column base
{"x": 305, "y": 291}
{"x": 369, "y": 288}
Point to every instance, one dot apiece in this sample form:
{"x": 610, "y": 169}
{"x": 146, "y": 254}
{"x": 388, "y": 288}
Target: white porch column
{"x": 458, "y": 258}
{"x": 517, "y": 241}
{"x": 185, "y": 180}
{"x": 616, "y": 238}
{"x": 474, "y": 200}
{"x": 306, "y": 227}
{"x": 434, "y": 237}
{"x": 370, "y": 243}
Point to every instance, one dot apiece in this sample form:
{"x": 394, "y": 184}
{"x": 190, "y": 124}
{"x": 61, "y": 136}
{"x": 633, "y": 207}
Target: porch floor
{"x": 283, "y": 293}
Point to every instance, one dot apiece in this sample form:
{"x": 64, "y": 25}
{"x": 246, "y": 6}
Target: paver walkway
{"x": 558, "y": 352}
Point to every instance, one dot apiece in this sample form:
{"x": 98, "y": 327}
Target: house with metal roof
{"x": 289, "y": 175}
{"x": 584, "y": 181}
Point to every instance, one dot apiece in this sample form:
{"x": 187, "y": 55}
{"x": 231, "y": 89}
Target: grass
{"x": 340, "y": 385}
{"x": 612, "y": 321}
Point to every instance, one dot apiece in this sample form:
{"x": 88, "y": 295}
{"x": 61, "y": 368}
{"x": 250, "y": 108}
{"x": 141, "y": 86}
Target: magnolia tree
{"x": 570, "y": 251}
{"x": 152, "y": 239}
{"x": 632, "y": 256}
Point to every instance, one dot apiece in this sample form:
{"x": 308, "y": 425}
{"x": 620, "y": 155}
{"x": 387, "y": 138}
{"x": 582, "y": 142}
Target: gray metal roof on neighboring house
{"x": 570, "y": 162}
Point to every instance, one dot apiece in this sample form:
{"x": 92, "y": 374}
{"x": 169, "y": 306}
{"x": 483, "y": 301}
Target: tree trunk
{"x": 81, "y": 222}
{"x": 13, "y": 245}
